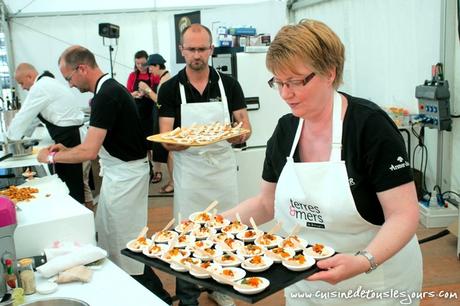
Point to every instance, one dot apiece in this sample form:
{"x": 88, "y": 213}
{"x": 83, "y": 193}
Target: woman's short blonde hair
{"x": 309, "y": 43}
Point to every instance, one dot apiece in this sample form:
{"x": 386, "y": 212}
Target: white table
{"x": 110, "y": 285}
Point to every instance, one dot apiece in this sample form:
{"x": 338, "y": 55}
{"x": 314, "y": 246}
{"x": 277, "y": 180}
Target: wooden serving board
{"x": 159, "y": 138}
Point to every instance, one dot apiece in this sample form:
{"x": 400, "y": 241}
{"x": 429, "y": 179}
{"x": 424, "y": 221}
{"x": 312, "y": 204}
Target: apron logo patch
{"x": 351, "y": 181}
{"x": 401, "y": 164}
{"x": 306, "y": 212}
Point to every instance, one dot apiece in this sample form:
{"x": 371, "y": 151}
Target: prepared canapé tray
{"x": 200, "y": 135}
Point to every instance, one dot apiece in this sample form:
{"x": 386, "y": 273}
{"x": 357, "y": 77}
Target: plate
{"x": 211, "y": 253}
{"x": 249, "y": 235}
{"x": 203, "y": 233}
{"x": 249, "y": 265}
{"x": 295, "y": 266}
{"x": 196, "y": 142}
{"x": 278, "y": 254}
{"x": 184, "y": 224}
{"x": 213, "y": 266}
{"x": 230, "y": 244}
{"x": 164, "y": 236}
{"x": 250, "y": 250}
{"x": 327, "y": 252}
{"x": 234, "y": 228}
{"x": 231, "y": 273}
{"x": 227, "y": 260}
{"x": 268, "y": 241}
{"x": 291, "y": 241}
{"x": 200, "y": 217}
{"x": 185, "y": 240}
{"x": 155, "y": 253}
{"x": 217, "y": 222}
{"x": 185, "y": 261}
{"x": 201, "y": 244}
{"x": 264, "y": 283}
{"x": 137, "y": 245}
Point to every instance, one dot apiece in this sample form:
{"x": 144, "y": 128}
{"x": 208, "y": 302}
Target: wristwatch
{"x": 51, "y": 157}
{"x": 370, "y": 258}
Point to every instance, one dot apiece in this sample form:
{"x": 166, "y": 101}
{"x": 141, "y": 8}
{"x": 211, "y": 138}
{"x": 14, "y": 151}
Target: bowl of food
{"x": 268, "y": 240}
{"x": 206, "y": 254}
{"x": 207, "y": 265}
{"x": 230, "y": 273}
{"x": 234, "y": 228}
{"x": 250, "y": 250}
{"x": 164, "y": 236}
{"x": 174, "y": 254}
{"x": 200, "y": 217}
{"x": 217, "y": 222}
{"x": 138, "y": 245}
{"x": 203, "y": 233}
{"x": 319, "y": 251}
{"x": 278, "y": 254}
{"x": 293, "y": 242}
{"x": 186, "y": 226}
{"x": 185, "y": 264}
{"x": 251, "y": 285}
{"x": 228, "y": 260}
{"x": 155, "y": 250}
{"x": 249, "y": 235}
{"x": 257, "y": 263}
{"x": 230, "y": 244}
{"x": 299, "y": 262}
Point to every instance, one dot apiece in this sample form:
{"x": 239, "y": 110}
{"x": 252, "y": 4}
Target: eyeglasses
{"x": 199, "y": 50}
{"x": 69, "y": 77}
{"x": 291, "y": 84}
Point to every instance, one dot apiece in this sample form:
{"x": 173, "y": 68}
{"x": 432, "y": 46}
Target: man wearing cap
{"x": 156, "y": 64}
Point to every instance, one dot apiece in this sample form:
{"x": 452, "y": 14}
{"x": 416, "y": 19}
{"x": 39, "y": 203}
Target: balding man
{"x": 115, "y": 134}
{"x": 52, "y": 102}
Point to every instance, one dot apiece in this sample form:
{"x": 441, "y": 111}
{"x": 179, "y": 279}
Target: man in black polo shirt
{"x": 198, "y": 94}
{"x": 115, "y": 134}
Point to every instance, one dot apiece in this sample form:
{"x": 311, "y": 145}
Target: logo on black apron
{"x": 308, "y": 213}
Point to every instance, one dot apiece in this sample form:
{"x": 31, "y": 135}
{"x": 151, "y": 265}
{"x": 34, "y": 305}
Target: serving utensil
{"x": 211, "y": 206}
{"x": 275, "y": 228}
{"x": 253, "y": 224}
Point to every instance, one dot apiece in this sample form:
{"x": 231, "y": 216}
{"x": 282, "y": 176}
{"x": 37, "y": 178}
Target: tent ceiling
{"x": 23, "y": 8}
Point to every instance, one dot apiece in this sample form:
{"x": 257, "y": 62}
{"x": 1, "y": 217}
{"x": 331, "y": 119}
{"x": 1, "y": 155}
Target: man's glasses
{"x": 69, "y": 77}
{"x": 291, "y": 84}
{"x": 199, "y": 50}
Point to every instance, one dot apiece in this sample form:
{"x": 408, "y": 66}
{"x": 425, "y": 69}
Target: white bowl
{"x": 164, "y": 236}
{"x": 182, "y": 226}
{"x": 201, "y": 255}
{"x": 288, "y": 243}
{"x": 213, "y": 266}
{"x": 138, "y": 249}
{"x": 227, "y": 260}
{"x": 238, "y": 274}
{"x": 267, "y": 262}
{"x": 263, "y": 285}
{"x": 186, "y": 262}
{"x": 217, "y": 222}
{"x": 163, "y": 247}
{"x": 250, "y": 250}
{"x": 309, "y": 262}
{"x": 234, "y": 228}
{"x": 278, "y": 258}
{"x": 230, "y": 245}
{"x": 203, "y": 233}
{"x": 263, "y": 240}
{"x": 220, "y": 237}
{"x": 241, "y": 235}
{"x": 200, "y": 217}
{"x": 327, "y": 252}
{"x": 181, "y": 254}
{"x": 201, "y": 244}
{"x": 188, "y": 240}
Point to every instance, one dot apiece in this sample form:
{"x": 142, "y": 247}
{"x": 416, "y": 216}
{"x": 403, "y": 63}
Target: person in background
{"x": 116, "y": 135}
{"x": 51, "y": 102}
{"x": 334, "y": 141}
{"x": 147, "y": 111}
{"x": 199, "y": 94}
{"x": 156, "y": 66}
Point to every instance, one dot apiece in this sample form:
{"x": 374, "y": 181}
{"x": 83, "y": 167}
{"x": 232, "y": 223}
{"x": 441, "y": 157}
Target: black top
{"x": 170, "y": 101}
{"x": 113, "y": 109}
{"x": 372, "y": 148}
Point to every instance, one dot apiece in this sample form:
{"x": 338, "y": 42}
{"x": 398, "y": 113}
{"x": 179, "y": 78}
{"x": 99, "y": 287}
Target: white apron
{"x": 122, "y": 207}
{"x": 317, "y": 196}
{"x": 204, "y": 174}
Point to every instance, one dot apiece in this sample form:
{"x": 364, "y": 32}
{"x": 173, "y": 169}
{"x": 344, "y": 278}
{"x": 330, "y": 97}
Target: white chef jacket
{"x": 50, "y": 98}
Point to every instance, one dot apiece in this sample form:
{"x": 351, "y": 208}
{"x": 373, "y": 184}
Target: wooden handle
{"x": 253, "y": 224}
{"x": 168, "y": 225}
{"x": 143, "y": 232}
{"x": 276, "y": 228}
{"x": 211, "y": 206}
{"x": 238, "y": 218}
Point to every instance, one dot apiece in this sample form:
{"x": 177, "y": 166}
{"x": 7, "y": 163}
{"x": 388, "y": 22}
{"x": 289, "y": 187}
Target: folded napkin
{"x": 81, "y": 256}
{"x": 75, "y": 274}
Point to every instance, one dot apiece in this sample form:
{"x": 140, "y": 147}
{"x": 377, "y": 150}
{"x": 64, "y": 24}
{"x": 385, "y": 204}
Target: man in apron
{"x": 337, "y": 166}
{"x": 51, "y": 102}
{"x": 198, "y": 94}
{"x": 115, "y": 134}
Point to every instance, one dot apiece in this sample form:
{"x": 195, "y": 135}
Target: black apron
{"x": 145, "y": 107}
{"x": 160, "y": 154}
{"x": 70, "y": 174}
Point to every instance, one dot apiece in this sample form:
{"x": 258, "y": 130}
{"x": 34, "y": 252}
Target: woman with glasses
{"x": 144, "y": 104}
{"x": 337, "y": 166}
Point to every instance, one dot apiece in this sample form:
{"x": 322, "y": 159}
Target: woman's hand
{"x": 339, "y": 268}
{"x": 144, "y": 87}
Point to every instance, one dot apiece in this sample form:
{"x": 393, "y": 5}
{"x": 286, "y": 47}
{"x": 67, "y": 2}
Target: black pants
{"x": 153, "y": 283}
{"x": 72, "y": 176}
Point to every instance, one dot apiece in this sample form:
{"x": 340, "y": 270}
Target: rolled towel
{"x": 81, "y": 256}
